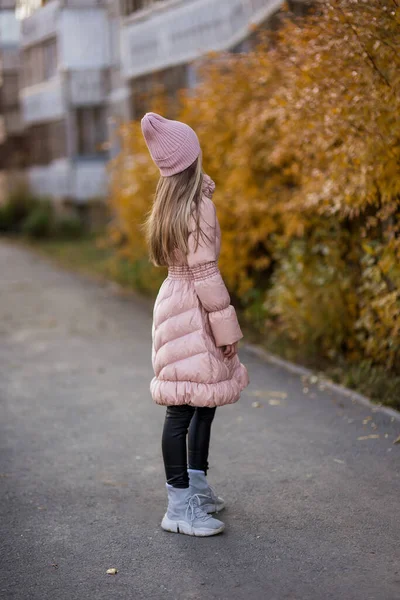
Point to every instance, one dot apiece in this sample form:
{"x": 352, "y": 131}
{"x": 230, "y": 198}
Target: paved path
{"x": 313, "y": 510}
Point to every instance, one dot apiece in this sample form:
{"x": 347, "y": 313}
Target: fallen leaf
{"x": 267, "y": 393}
{"x": 341, "y": 462}
{"x": 281, "y": 395}
{"x": 372, "y": 436}
{"x": 113, "y": 483}
{"x": 397, "y": 440}
{"x": 273, "y": 402}
{"x": 256, "y": 404}
{"x": 112, "y": 571}
{"x": 365, "y": 421}
{"x": 313, "y": 379}
{"x": 305, "y": 390}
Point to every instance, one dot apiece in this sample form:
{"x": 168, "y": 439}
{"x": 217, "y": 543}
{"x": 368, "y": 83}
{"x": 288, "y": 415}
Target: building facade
{"x": 86, "y": 65}
{"x": 12, "y": 142}
{"x": 65, "y": 61}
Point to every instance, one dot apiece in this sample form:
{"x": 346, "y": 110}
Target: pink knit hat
{"x": 173, "y": 145}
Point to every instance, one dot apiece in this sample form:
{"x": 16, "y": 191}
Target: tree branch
{"x": 362, "y": 46}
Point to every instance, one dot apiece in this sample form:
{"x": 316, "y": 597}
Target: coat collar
{"x": 208, "y": 186}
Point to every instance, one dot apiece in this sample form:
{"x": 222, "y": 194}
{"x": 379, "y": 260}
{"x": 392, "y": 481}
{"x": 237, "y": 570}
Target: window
{"x": 9, "y": 91}
{"x": 143, "y": 90}
{"x": 166, "y": 83}
{"x": 130, "y": 6}
{"x": 13, "y": 154}
{"x": 92, "y": 130}
{"x": 47, "y": 142}
{"x": 40, "y": 62}
{"x": 49, "y": 59}
{"x": 57, "y": 139}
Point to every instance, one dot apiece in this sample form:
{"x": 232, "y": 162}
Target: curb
{"x": 334, "y": 387}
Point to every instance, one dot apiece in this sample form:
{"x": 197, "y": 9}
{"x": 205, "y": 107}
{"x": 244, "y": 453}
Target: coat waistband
{"x": 180, "y": 272}
{"x": 198, "y": 273}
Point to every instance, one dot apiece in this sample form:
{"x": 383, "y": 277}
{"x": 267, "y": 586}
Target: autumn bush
{"x": 302, "y": 137}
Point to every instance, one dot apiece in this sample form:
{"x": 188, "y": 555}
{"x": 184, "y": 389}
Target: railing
{"x": 81, "y": 181}
{"x": 43, "y": 102}
{"x": 84, "y": 3}
{"x": 40, "y": 24}
{"x": 89, "y": 180}
{"x": 88, "y": 87}
{"x": 186, "y": 31}
{"x": 9, "y": 29}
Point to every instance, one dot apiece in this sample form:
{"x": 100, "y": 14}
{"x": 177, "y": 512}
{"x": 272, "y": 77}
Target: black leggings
{"x": 178, "y": 421}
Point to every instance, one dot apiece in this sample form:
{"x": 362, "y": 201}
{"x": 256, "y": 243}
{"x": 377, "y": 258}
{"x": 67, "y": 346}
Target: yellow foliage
{"x": 302, "y": 138}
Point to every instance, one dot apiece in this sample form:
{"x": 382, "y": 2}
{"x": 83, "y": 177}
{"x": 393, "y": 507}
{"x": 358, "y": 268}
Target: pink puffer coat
{"x": 192, "y": 319}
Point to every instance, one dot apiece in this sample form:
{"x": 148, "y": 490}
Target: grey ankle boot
{"x": 184, "y": 515}
{"x": 210, "y": 502}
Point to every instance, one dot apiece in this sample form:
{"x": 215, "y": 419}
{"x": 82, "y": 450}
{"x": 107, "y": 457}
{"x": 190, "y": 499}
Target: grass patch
{"x": 83, "y": 255}
{"x": 88, "y": 256}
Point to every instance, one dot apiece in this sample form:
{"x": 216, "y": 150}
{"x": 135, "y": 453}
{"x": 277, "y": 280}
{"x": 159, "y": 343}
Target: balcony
{"x": 9, "y": 29}
{"x": 44, "y": 101}
{"x": 88, "y": 87}
{"x": 41, "y": 24}
{"x": 80, "y": 181}
{"x": 82, "y": 34}
{"x": 188, "y": 30}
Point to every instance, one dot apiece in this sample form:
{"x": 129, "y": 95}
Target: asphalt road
{"x": 313, "y": 511}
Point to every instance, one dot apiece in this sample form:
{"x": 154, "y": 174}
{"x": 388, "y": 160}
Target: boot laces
{"x": 194, "y": 509}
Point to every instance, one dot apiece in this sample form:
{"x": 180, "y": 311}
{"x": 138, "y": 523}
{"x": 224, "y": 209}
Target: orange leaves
{"x": 302, "y": 137}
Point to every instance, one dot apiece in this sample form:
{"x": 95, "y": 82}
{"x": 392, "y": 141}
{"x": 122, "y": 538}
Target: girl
{"x": 195, "y": 329}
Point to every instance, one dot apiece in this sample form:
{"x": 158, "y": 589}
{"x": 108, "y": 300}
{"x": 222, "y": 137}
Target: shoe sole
{"x": 183, "y": 527}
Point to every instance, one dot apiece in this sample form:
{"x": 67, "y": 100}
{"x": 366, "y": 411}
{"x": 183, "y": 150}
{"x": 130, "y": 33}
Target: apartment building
{"x": 12, "y": 147}
{"x": 160, "y": 41}
{"x": 65, "y": 61}
{"x": 86, "y": 65}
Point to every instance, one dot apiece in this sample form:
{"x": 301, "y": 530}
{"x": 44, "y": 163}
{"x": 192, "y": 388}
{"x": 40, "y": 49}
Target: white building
{"x": 66, "y": 58}
{"x": 12, "y": 150}
{"x": 87, "y": 64}
{"x": 160, "y": 41}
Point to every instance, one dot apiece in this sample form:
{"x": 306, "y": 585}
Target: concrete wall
{"x": 187, "y": 31}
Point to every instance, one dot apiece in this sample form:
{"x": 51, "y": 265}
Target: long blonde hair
{"x": 177, "y": 199}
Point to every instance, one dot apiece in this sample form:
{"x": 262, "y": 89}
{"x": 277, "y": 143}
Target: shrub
{"x": 16, "y": 209}
{"x": 69, "y": 227}
{"x": 305, "y": 154}
{"x": 39, "y": 223}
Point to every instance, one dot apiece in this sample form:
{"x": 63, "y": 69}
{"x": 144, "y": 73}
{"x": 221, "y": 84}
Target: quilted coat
{"x": 192, "y": 320}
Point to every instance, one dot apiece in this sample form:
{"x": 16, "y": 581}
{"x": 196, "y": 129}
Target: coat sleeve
{"x": 208, "y": 281}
